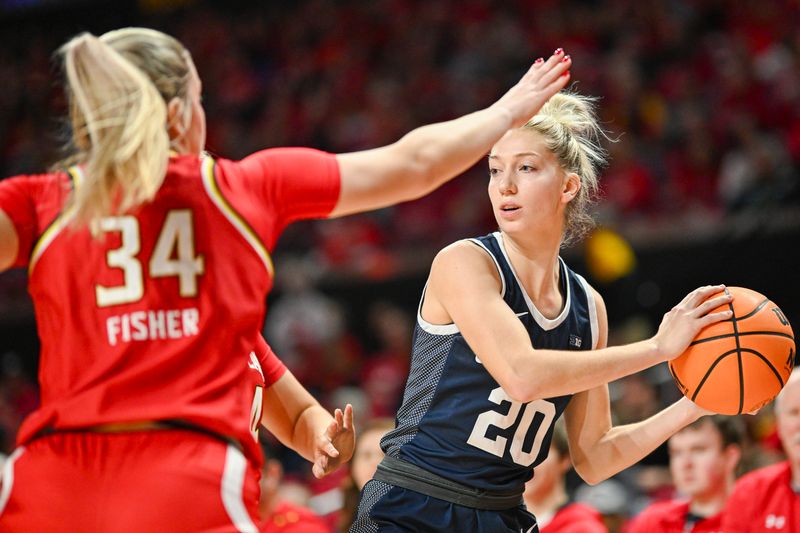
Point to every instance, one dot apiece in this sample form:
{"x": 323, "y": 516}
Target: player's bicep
{"x": 588, "y": 415}
{"x": 9, "y": 242}
{"x": 19, "y": 218}
{"x": 464, "y": 280}
{"x": 292, "y": 183}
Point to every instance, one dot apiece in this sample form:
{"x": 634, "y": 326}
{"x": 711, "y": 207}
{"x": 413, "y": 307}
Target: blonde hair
{"x": 572, "y": 132}
{"x": 119, "y": 86}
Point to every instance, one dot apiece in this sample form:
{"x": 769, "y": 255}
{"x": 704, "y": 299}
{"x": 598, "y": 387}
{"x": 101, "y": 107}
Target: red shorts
{"x": 164, "y": 480}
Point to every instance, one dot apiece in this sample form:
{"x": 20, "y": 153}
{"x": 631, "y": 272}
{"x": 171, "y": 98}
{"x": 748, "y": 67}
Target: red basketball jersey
{"x": 670, "y": 517}
{"x": 764, "y": 501}
{"x": 265, "y": 370}
{"x": 152, "y": 318}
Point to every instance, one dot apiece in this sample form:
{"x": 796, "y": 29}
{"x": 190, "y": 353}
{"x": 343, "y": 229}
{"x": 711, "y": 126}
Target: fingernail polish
{"x": 540, "y": 60}
{"x": 566, "y": 58}
{"x": 558, "y": 51}
{"x": 566, "y": 73}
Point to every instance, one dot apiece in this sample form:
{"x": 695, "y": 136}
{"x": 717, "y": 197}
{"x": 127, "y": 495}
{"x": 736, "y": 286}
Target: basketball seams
{"x": 767, "y": 362}
{"x": 743, "y": 334}
{"x": 758, "y": 308}
{"x": 738, "y": 354}
{"x": 711, "y": 369}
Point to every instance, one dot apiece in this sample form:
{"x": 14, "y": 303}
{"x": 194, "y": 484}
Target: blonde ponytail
{"x": 572, "y": 132}
{"x": 119, "y": 86}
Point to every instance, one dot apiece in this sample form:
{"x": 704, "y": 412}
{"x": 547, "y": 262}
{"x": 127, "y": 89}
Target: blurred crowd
{"x": 702, "y": 96}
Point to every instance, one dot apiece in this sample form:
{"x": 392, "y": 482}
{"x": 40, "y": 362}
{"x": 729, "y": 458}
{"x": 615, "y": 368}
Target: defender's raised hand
{"x": 335, "y": 446}
{"x": 543, "y": 80}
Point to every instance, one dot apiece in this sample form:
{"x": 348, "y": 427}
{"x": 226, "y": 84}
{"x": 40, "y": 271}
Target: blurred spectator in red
{"x": 384, "y": 373}
{"x": 703, "y": 458}
{"x": 279, "y": 514}
{"x": 768, "y": 499}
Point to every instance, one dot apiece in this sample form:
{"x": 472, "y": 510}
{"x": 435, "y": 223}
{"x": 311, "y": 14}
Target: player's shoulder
{"x": 40, "y": 180}
{"x": 667, "y": 508}
{"x": 579, "y": 518}
{"x": 766, "y": 475}
{"x": 580, "y": 511}
{"x": 460, "y": 253}
{"x": 663, "y": 514}
{"x": 583, "y": 283}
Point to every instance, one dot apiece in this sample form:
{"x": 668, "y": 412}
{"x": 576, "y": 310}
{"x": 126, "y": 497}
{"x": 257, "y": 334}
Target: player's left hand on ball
{"x": 335, "y": 446}
{"x": 683, "y": 322}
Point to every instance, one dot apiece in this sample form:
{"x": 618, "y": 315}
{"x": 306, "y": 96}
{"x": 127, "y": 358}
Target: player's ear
{"x": 176, "y": 126}
{"x": 570, "y": 187}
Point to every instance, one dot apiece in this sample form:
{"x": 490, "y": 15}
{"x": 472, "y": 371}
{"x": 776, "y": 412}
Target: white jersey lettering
{"x": 152, "y": 325}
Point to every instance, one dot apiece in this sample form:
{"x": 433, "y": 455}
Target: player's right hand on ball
{"x": 684, "y": 321}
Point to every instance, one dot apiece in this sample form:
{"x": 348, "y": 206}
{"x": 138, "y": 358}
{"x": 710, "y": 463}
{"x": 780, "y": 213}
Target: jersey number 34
{"x": 173, "y": 256}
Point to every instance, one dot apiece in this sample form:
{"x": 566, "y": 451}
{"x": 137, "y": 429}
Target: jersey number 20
{"x": 172, "y": 256}
{"x": 497, "y": 446}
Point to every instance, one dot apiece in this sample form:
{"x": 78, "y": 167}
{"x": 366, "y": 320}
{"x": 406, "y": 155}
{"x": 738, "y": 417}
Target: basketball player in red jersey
{"x": 702, "y": 458}
{"x": 149, "y": 265}
{"x": 768, "y": 499}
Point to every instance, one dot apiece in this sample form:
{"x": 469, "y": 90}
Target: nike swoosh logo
{"x": 523, "y": 314}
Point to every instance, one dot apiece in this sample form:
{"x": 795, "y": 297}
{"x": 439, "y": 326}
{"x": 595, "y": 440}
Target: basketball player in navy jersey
{"x": 502, "y": 348}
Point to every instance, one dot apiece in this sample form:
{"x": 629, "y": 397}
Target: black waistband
{"x": 401, "y": 473}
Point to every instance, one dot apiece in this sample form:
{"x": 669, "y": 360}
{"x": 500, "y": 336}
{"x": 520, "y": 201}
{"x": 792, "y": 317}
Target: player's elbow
{"x": 588, "y": 474}
{"x": 521, "y": 389}
{"x": 522, "y": 382}
{"x": 591, "y": 466}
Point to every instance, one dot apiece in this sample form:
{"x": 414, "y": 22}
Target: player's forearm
{"x": 311, "y": 423}
{"x": 623, "y": 446}
{"x": 537, "y": 374}
{"x": 446, "y": 149}
{"x": 9, "y": 241}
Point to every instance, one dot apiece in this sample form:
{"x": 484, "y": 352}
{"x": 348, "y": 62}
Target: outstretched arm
{"x": 9, "y": 242}
{"x": 501, "y": 342}
{"x": 599, "y": 450}
{"x": 430, "y": 155}
{"x": 301, "y": 423}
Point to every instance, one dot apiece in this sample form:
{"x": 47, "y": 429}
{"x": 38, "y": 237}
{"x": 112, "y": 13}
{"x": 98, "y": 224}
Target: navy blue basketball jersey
{"x": 456, "y": 421}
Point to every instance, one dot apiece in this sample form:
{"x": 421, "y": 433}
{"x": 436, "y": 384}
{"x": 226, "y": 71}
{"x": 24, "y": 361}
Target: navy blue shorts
{"x": 387, "y": 509}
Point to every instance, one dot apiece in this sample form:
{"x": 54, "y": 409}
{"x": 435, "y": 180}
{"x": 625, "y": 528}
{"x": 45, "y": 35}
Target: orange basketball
{"x": 740, "y": 364}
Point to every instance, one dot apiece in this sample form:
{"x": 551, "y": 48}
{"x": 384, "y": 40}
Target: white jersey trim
{"x": 545, "y": 323}
{"x": 212, "y": 189}
{"x": 433, "y": 329}
{"x": 7, "y": 477}
{"x": 592, "y": 311}
{"x": 452, "y": 329}
{"x": 496, "y": 265}
{"x": 231, "y": 490}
